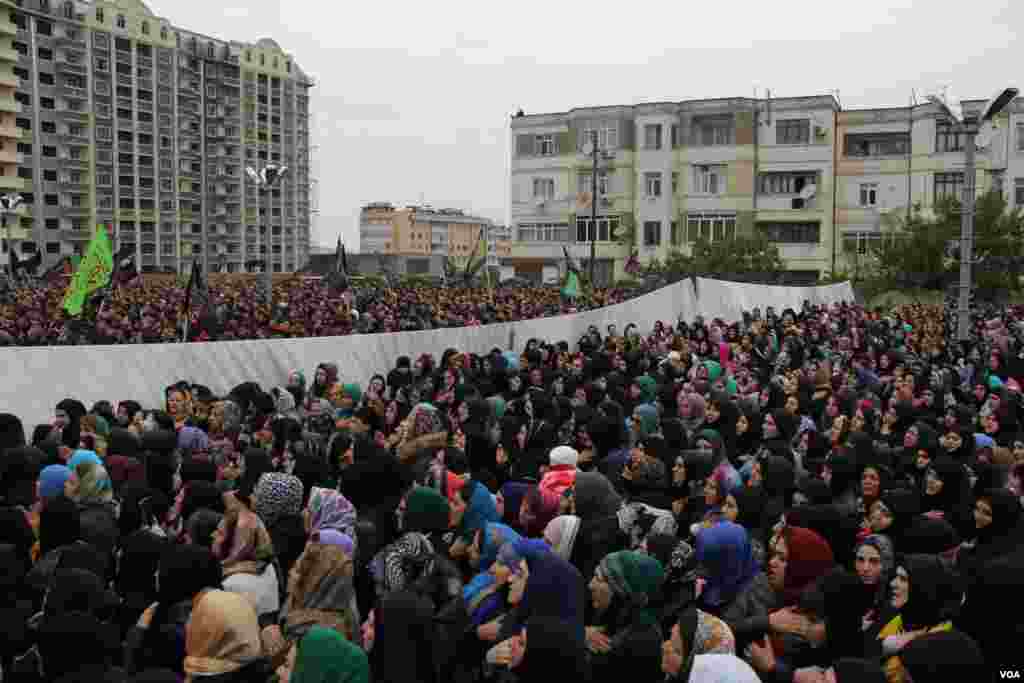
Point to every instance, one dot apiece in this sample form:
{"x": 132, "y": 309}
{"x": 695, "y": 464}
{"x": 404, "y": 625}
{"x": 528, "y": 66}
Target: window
{"x": 868, "y": 194}
{"x": 792, "y": 132}
{"x": 584, "y": 182}
{"x": 1018, "y": 192}
{"x": 878, "y": 145}
{"x": 544, "y": 232}
{"x": 545, "y": 145}
{"x": 861, "y": 242}
{"x": 607, "y": 138}
{"x": 652, "y": 233}
{"x": 605, "y": 231}
{"x": 45, "y": 54}
{"x": 791, "y": 233}
{"x": 712, "y": 130}
{"x": 102, "y": 110}
{"x": 787, "y": 183}
{"x": 145, "y": 28}
{"x": 652, "y": 136}
{"x": 248, "y": 55}
{"x": 53, "y": 247}
{"x": 20, "y": 47}
{"x": 948, "y": 137}
{"x": 102, "y": 87}
{"x": 52, "y": 223}
{"x": 949, "y": 185}
{"x": 44, "y": 28}
{"x": 288, "y": 66}
{"x": 49, "y": 151}
{"x": 675, "y": 135}
{"x": 51, "y": 199}
{"x": 121, "y": 23}
{"x": 543, "y": 188}
{"x": 104, "y": 179}
{"x": 49, "y": 127}
{"x": 45, "y": 78}
{"x": 263, "y": 59}
{"x": 44, "y": 5}
{"x": 25, "y": 172}
{"x": 1020, "y": 137}
{"x": 711, "y": 227}
{"x": 652, "y": 184}
{"x": 99, "y": 14}
{"x": 675, "y": 183}
{"x": 163, "y": 33}
{"x": 709, "y": 179}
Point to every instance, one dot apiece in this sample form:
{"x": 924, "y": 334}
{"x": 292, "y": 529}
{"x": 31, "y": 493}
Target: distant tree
{"x": 746, "y": 254}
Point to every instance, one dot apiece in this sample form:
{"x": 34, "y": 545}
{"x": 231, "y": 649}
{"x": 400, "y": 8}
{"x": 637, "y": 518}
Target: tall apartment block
{"x": 121, "y": 118}
{"x": 813, "y": 178}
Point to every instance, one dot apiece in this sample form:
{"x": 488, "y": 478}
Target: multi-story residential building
{"x": 417, "y": 231}
{"x": 892, "y": 159}
{"x": 127, "y": 120}
{"x": 670, "y": 173}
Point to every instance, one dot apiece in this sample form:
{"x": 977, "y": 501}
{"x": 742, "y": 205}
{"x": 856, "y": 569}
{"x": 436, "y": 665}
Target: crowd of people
{"x": 830, "y": 494}
{"x": 152, "y": 309}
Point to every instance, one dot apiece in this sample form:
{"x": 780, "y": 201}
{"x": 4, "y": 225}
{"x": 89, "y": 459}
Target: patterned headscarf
{"x": 277, "y": 495}
{"x": 425, "y": 420}
{"x": 704, "y": 634}
{"x": 634, "y": 578}
{"x": 328, "y": 509}
{"x": 94, "y": 485}
{"x": 223, "y": 634}
{"x": 560, "y": 533}
{"x": 250, "y": 545}
{"x": 320, "y": 591}
{"x": 402, "y": 562}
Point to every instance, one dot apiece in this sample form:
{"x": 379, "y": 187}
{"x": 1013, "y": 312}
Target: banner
{"x": 93, "y": 272}
{"x": 37, "y": 378}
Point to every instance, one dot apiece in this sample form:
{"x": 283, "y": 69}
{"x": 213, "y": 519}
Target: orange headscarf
{"x": 222, "y": 636}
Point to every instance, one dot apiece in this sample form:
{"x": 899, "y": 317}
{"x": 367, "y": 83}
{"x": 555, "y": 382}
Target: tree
{"x": 916, "y": 253}
{"x": 745, "y": 255}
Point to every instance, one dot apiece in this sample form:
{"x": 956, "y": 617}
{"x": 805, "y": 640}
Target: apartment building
{"x": 891, "y": 159}
{"x": 423, "y": 231}
{"x": 124, "y": 119}
{"x": 669, "y": 173}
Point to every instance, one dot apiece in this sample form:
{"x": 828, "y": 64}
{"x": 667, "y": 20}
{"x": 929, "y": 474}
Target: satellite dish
{"x": 588, "y": 148}
{"x": 253, "y": 175}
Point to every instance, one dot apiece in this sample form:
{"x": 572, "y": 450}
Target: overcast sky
{"x": 412, "y": 98}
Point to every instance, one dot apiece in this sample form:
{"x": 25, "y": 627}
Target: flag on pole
{"x": 571, "y": 289}
{"x": 93, "y": 271}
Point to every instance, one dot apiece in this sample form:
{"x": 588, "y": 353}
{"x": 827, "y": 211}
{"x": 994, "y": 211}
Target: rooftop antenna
{"x": 768, "y": 107}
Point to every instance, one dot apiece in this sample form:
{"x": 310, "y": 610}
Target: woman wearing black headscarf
{"x": 998, "y": 530}
{"x": 404, "y": 640}
{"x": 158, "y": 639}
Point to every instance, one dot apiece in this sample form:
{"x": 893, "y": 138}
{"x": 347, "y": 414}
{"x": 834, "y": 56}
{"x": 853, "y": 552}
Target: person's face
{"x": 515, "y": 383}
{"x": 932, "y": 483}
{"x": 713, "y": 413}
{"x": 673, "y": 653}
{"x": 517, "y": 583}
{"x": 991, "y": 424}
{"x": 1015, "y": 484}
{"x": 679, "y": 471}
{"x": 979, "y": 392}
{"x": 879, "y": 517}
{"x": 710, "y": 492}
{"x": 777, "y": 563}
{"x": 982, "y": 513}
{"x": 900, "y": 586}
{"x": 321, "y": 377}
{"x": 730, "y": 510}
{"x": 756, "y": 475}
{"x": 792, "y": 405}
{"x": 175, "y": 403}
{"x": 868, "y": 565}
{"x": 61, "y": 419}
{"x": 391, "y": 413}
{"x": 71, "y": 486}
{"x": 870, "y": 483}
{"x": 463, "y": 411}
{"x": 456, "y": 510}
{"x": 600, "y": 592}
{"x": 770, "y": 429}
{"x": 742, "y": 424}
{"x": 1018, "y": 451}
{"x": 219, "y": 536}
{"x": 858, "y": 421}
{"x": 122, "y": 415}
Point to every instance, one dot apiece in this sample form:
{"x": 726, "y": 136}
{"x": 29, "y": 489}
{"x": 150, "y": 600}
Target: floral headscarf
{"x": 328, "y": 509}
{"x": 93, "y": 486}
{"x": 277, "y": 495}
{"x": 320, "y": 591}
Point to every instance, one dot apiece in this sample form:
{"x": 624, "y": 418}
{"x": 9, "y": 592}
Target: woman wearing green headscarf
{"x": 324, "y": 656}
{"x": 625, "y": 639}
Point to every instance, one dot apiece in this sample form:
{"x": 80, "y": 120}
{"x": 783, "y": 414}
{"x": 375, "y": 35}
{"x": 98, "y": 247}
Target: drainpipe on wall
{"x": 835, "y": 171}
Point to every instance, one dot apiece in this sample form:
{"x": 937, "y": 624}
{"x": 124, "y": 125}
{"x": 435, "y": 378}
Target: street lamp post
{"x": 969, "y": 125}
{"x": 265, "y": 180}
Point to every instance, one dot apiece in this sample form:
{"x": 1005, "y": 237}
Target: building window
{"x": 949, "y": 185}
{"x": 543, "y": 232}
{"x": 99, "y": 14}
{"x": 787, "y": 183}
{"x": 605, "y": 231}
{"x": 145, "y": 28}
{"x": 791, "y": 233}
{"x": 584, "y": 182}
{"x": 607, "y": 138}
{"x": 709, "y": 179}
{"x": 1018, "y": 192}
{"x": 652, "y": 233}
{"x": 103, "y": 132}
{"x": 121, "y": 23}
{"x": 545, "y": 145}
{"x": 675, "y": 183}
{"x": 706, "y": 131}
{"x": 288, "y": 66}
{"x": 652, "y": 136}
{"x": 948, "y": 137}
{"x": 543, "y": 188}
{"x": 878, "y": 145}
{"x": 868, "y": 194}
{"x": 652, "y": 184}
{"x": 53, "y": 247}
{"x": 710, "y": 227}
{"x": 792, "y": 132}
{"x": 163, "y": 33}
{"x": 263, "y": 59}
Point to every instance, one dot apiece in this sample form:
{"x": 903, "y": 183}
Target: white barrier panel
{"x": 728, "y": 300}
{"x": 37, "y": 378}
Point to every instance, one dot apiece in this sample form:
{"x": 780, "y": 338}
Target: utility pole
{"x": 593, "y": 209}
{"x": 963, "y": 334}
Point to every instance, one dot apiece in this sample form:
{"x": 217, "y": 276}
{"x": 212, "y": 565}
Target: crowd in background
{"x": 829, "y": 494}
{"x": 151, "y": 310}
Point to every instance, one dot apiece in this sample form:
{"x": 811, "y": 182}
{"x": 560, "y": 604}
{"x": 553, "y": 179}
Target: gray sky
{"x": 412, "y": 99}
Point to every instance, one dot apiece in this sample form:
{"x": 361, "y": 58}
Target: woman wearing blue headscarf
{"x": 726, "y": 558}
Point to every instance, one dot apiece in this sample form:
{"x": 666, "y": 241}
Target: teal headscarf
{"x": 635, "y": 578}
{"x": 648, "y": 388}
{"x": 480, "y": 509}
{"x": 648, "y": 419}
{"x": 324, "y": 656}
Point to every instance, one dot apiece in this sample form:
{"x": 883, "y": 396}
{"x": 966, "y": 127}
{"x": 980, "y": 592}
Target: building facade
{"x": 669, "y": 173}
{"x": 422, "y": 231}
{"x": 126, "y": 120}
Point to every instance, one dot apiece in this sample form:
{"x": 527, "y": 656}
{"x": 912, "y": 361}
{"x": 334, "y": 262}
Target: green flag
{"x": 92, "y": 273}
{"x": 571, "y": 289}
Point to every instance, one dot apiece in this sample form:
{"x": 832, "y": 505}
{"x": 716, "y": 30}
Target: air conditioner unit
{"x": 819, "y": 131}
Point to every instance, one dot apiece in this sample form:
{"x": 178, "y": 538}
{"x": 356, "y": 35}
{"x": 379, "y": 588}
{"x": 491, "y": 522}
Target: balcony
{"x": 12, "y": 132}
{"x": 126, "y": 214}
{"x": 79, "y": 210}
{"x": 75, "y": 40}
{"x": 77, "y": 114}
{"x": 71, "y": 67}
{"x": 10, "y": 80}
{"x": 9, "y": 104}
{"x": 80, "y": 162}
{"x": 144, "y": 127}
{"x": 125, "y": 79}
{"x": 11, "y": 55}
{"x": 124, "y": 56}
{"x": 73, "y": 234}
